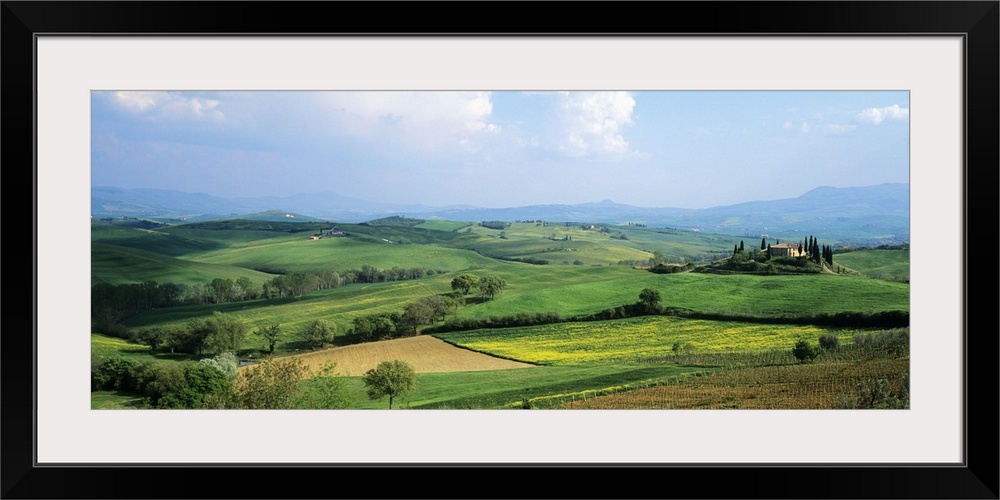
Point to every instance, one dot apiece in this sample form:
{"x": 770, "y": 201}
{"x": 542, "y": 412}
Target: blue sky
{"x": 692, "y": 149}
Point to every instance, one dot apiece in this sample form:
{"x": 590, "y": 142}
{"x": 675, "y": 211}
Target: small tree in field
{"x": 317, "y": 333}
{"x": 270, "y": 333}
{"x": 490, "y": 286}
{"x": 650, "y": 300}
{"x": 390, "y": 378}
{"x": 829, "y": 341}
{"x": 804, "y": 352}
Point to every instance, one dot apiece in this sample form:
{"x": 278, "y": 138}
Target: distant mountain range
{"x": 862, "y": 215}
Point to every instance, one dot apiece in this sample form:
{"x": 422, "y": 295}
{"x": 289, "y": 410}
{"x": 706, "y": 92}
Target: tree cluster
{"x": 164, "y": 385}
{"x": 507, "y": 321}
{"x": 216, "y": 383}
{"x": 376, "y": 326}
{"x": 111, "y": 304}
{"x": 218, "y": 333}
{"x": 816, "y": 252}
{"x": 495, "y": 224}
{"x": 489, "y": 286}
{"x": 298, "y": 283}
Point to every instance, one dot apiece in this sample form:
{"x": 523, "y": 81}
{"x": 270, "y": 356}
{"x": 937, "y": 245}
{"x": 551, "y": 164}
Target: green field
{"x": 882, "y": 264}
{"x": 573, "y": 291}
{"x": 340, "y": 254}
{"x": 118, "y": 265}
{"x": 542, "y": 386}
{"x": 443, "y": 225}
{"x": 588, "y": 270}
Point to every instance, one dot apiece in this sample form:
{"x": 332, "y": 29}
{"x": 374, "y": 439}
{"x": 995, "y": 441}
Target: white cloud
{"x": 876, "y": 116}
{"x": 804, "y": 128}
{"x": 423, "y": 120}
{"x": 137, "y": 101}
{"x": 168, "y": 105}
{"x": 593, "y": 122}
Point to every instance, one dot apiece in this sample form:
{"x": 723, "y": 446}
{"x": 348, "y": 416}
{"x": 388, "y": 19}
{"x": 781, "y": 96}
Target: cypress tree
{"x": 741, "y": 245}
{"x": 763, "y": 243}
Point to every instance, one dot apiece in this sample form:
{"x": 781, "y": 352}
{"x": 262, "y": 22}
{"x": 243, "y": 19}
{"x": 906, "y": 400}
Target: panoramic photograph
{"x": 492, "y": 250}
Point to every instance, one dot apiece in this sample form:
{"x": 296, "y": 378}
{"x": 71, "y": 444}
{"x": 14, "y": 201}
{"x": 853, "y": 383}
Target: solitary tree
{"x": 763, "y": 243}
{"x": 491, "y": 286}
{"x": 270, "y": 333}
{"x": 390, "y": 378}
{"x": 650, "y": 300}
{"x": 804, "y": 352}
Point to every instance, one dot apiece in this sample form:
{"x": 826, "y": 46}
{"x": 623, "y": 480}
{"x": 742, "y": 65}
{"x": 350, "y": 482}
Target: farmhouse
{"x": 786, "y": 250}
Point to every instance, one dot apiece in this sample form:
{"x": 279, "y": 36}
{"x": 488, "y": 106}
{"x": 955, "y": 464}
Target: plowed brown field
{"x": 423, "y": 353}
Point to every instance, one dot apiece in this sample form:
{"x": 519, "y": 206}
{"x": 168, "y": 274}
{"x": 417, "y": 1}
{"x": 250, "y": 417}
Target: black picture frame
{"x": 977, "y": 22}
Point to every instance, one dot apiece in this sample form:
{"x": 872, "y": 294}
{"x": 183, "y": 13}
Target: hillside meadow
{"x": 893, "y": 265}
{"x": 565, "y": 270}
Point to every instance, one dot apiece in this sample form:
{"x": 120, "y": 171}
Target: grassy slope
{"x": 341, "y": 254}
{"x": 507, "y": 388}
{"x": 443, "y": 225}
{"x": 599, "y": 248}
{"x": 892, "y": 264}
{"x": 581, "y": 290}
{"x": 119, "y": 265}
{"x": 165, "y": 241}
{"x": 569, "y": 290}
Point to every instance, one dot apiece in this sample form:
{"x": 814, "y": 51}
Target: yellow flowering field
{"x": 618, "y": 340}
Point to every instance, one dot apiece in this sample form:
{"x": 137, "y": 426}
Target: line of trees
{"x": 495, "y": 224}
{"x": 112, "y": 304}
{"x": 215, "y": 383}
{"x": 224, "y": 332}
{"x": 298, "y": 283}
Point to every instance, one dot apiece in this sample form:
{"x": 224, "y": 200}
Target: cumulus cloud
{"x": 876, "y": 116}
{"x": 594, "y": 121}
{"x": 425, "y": 120}
{"x": 168, "y": 105}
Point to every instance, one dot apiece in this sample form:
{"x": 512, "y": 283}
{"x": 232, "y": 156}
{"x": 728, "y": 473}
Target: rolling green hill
{"x": 876, "y": 263}
{"x": 589, "y": 269}
{"x": 118, "y": 265}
